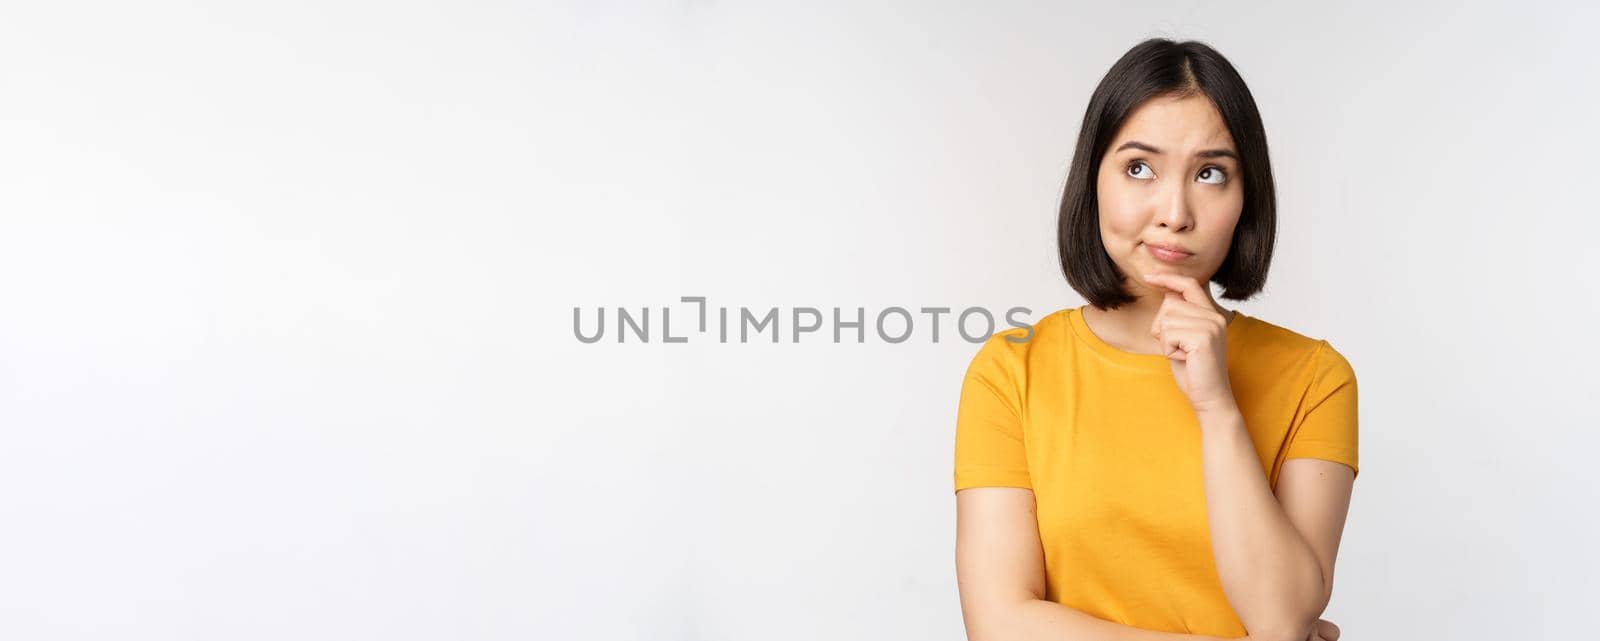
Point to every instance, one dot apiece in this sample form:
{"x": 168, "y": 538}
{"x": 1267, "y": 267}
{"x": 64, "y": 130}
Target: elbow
{"x": 1295, "y": 621}
{"x": 1293, "y": 624}
{"x": 984, "y": 624}
{"x": 995, "y": 620}
{"x": 1304, "y": 604}
{"x": 1287, "y": 630}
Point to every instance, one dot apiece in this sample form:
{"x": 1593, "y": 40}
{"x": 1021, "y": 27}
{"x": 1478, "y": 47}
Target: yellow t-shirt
{"x": 1111, "y": 449}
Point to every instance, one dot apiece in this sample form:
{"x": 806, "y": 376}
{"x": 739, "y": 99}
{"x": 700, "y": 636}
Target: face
{"x": 1170, "y": 178}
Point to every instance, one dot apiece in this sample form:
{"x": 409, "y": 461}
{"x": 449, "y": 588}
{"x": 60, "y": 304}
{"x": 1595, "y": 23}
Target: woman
{"x": 1151, "y": 465}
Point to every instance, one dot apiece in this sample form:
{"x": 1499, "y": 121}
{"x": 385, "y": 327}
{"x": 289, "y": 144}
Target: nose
{"x": 1174, "y": 212}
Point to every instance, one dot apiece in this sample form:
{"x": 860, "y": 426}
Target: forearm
{"x": 1040, "y": 620}
{"x": 1269, "y": 573}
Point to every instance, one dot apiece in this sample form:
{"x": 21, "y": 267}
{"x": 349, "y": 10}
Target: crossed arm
{"x": 1000, "y": 573}
{"x": 1274, "y": 551}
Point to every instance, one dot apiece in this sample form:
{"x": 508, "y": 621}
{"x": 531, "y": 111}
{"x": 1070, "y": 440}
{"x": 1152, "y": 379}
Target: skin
{"x": 1175, "y": 198}
{"x": 1274, "y": 547}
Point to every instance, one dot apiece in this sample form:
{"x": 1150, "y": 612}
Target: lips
{"x": 1168, "y": 253}
{"x": 1171, "y": 248}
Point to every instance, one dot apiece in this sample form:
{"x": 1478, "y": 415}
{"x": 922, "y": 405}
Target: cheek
{"x": 1217, "y": 221}
{"x": 1119, "y": 211}
{"x": 1222, "y": 214}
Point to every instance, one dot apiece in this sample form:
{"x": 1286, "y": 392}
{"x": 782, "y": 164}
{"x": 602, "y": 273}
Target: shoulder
{"x": 1007, "y": 353}
{"x": 1020, "y": 342}
{"x": 1281, "y": 348}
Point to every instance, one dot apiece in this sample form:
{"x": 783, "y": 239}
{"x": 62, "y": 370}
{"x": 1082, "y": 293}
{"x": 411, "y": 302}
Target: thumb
{"x": 1327, "y": 630}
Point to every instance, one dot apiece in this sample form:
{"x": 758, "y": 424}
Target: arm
{"x": 1001, "y": 577}
{"x": 1275, "y": 559}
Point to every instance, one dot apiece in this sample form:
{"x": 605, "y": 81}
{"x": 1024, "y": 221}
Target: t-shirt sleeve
{"x": 1328, "y": 427}
{"x": 989, "y": 448}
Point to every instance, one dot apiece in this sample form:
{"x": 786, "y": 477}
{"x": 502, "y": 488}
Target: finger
{"x": 1188, "y": 286}
{"x": 1190, "y": 311}
{"x": 1173, "y": 305}
{"x": 1177, "y": 340}
{"x": 1175, "y": 352}
{"x": 1189, "y": 315}
{"x": 1168, "y": 339}
{"x": 1174, "y": 302}
{"x": 1172, "y": 299}
{"x": 1327, "y": 630}
{"x": 1181, "y": 337}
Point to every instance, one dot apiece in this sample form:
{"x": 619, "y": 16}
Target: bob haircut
{"x": 1162, "y": 67}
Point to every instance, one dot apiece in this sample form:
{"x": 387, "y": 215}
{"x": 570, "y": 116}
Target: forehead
{"x": 1179, "y": 124}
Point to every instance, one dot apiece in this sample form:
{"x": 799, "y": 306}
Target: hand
{"x": 1193, "y": 336}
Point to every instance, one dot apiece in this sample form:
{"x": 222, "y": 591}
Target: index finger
{"x": 1189, "y": 287}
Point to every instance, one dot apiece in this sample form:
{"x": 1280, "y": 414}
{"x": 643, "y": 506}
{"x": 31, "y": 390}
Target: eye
{"x": 1141, "y": 171}
{"x": 1212, "y": 176}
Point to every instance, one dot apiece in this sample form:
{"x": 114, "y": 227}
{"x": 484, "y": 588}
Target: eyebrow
{"x": 1205, "y": 153}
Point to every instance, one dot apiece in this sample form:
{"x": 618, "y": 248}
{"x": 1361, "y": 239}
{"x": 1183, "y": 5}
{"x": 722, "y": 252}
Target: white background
{"x": 286, "y": 298}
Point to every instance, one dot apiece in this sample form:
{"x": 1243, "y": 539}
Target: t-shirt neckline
{"x": 1080, "y": 329}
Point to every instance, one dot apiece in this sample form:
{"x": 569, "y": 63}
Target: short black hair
{"x": 1162, "y": 67}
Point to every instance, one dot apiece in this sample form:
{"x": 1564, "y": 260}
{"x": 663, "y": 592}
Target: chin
{"x": 1152, "y": 266}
